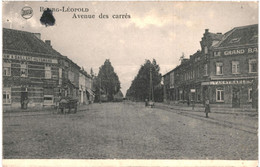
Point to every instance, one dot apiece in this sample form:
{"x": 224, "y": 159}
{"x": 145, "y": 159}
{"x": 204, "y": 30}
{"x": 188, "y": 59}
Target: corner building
{"x": 234, "y": 69}
{"x": 34, "y": 72}
{"x": 225, "y": 71}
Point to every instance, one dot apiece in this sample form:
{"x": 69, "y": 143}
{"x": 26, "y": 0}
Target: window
{"x": 47, "y": 72}
{"x": 235, "y": 67}
{"x": 234, "y": 40}
{"x": 255, "y": 37}
{"x": 171, "y": 80}
{"x": 252, "y": 66}
{"x": 205, "y": 69}
{"x": 219, "y": 68}
{"x": 48, "y": 99}
{"x": 60, "y": 76}
{"x": 71, "y": 76}
{"x": 24, "y": 70}
{"x": 180, "y": 93}
{"x": 6, "y": 95}
{"x": 219, "y": 95}
{"x": 250, "y": 94}
{"x": 7, "y": 69}
{"x": 206, "y": 50}
{"x": 217, "y": 53}
{"x": 198, "y": 97}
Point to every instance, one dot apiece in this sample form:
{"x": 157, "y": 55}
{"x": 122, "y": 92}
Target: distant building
{"x": 87, "y": 95}
{"x": 225, "y": 71}
{"x": 69, "y": 82}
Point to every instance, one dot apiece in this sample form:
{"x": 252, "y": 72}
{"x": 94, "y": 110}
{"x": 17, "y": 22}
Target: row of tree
{"x": 107, "y": 85}
{"x": 140, "y": 88}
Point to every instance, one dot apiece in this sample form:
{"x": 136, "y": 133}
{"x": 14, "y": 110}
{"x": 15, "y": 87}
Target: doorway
{"x": 235, "y": 97}
{"x": 24, "y": 100}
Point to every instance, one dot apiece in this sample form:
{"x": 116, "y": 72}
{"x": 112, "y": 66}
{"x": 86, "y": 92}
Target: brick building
{"x": 233, "y": 69}
{"x": 225, "y": 70}
{"x": 34, "y": 73}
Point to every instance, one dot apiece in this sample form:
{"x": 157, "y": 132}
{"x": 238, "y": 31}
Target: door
{"x": 235, "y": 97}
{"x": 24, "y": 100}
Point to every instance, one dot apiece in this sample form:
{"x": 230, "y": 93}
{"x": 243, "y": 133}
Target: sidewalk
{"x": 40, "y": 111}
{"x": 214, "y": 109}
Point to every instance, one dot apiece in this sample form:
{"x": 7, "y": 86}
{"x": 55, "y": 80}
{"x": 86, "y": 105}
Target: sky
{"x": 155, "y": 30}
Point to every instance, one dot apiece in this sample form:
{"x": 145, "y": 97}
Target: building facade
{"x": 87, "y": 95}
{"x": 30, "y": 71}
{"x": 34, "y": 74}
{"x": 225, "y": 71}
{"x": 234, "y": 69}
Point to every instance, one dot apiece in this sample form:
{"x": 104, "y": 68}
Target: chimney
{"x": 206, "y": 30}
{"x": 38, "y": 35}
{"x": 48, "y": 42}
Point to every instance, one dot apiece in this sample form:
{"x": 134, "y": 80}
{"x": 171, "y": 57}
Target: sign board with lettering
{"x": 241, "y": 51}
{"x": 30, "y": 58}
{"x": 228, "y": 82}
{"x": 192, "y": 90}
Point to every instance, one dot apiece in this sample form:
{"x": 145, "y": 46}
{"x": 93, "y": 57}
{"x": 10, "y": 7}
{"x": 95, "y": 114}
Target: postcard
{"x": 126, "y": 83}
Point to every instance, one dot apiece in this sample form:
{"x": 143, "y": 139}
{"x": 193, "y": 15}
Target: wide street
{"x": 130, "y": 130}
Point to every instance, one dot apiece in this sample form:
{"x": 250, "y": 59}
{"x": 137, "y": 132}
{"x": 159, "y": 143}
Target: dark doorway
{"x": 24, "y": 100}
{"x": 236, "y": 97}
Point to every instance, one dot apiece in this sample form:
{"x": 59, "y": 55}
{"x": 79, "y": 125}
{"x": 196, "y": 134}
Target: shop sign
{"x": 230, "y": 82}
{"x": 192, "y": 90}
{"x": 30, "y": 58}
{"x": 240, "y": 51}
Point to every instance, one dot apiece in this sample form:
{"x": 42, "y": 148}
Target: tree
{"x": 92, "y": 73}
{"x": 108, "y": 79}
{"x": 140, "y": 87}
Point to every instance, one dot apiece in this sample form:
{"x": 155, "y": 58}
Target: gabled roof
{"x": 22, "y": 42}
{"x": 240, "y": 36}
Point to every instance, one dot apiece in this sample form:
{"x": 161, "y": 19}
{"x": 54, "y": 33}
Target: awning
{"x": 90, "y": 92}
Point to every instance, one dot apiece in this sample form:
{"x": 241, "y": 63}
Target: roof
{"x": 240, "y": 36}
{"x": 26, "y": 43}
{"x": 216, "y": 36}
{"x": 22, "y": 42}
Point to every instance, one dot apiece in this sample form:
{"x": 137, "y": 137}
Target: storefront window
{"x": 6, "y": 95}
{"x": 48, "y": 99}
{"x": 24, "y": 70}
{"x": 7, "y": 69}
{"x": 219, "y": 68}
{"x": 250, "y": 94}
{"x": 219, "y": 95}
{"x": 252, "y": 66}
{"x": 235, "y": 67}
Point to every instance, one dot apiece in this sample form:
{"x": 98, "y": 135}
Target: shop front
{"x": 234, "y": 93}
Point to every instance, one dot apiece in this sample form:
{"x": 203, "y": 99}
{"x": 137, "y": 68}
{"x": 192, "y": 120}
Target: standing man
{"x": 207, "y": 107}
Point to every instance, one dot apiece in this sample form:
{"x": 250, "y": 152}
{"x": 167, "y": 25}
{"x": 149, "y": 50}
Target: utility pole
{"x": 100, "y": 90}
{"x": 151, "y": 96}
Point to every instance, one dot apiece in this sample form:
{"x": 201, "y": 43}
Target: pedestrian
{"x": 188, "y": 101}
{"x": 207, "y": 107}
{"x": 146, "y": 102}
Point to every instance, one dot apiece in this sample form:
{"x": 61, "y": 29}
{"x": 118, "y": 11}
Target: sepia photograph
{"x": 127, "y": 80}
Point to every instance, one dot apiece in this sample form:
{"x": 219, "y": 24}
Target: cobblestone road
{"x": 130, "y": 131}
